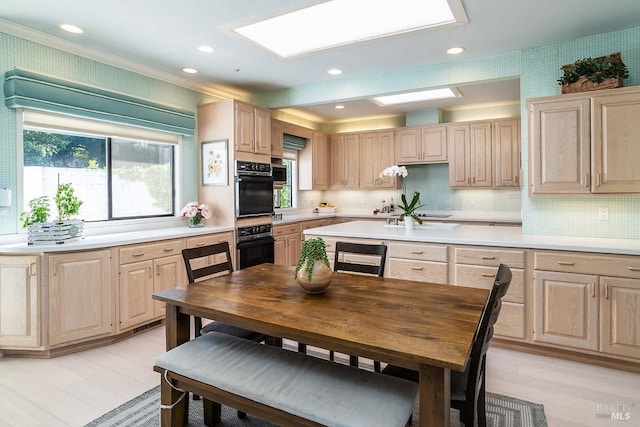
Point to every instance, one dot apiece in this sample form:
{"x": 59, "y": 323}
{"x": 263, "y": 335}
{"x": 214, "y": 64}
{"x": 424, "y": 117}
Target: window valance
{"x": 292, "y": 142}
{"x": 24, "y": 89}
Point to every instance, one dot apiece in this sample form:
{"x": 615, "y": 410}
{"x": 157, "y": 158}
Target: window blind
{"x": 292, "y": 142}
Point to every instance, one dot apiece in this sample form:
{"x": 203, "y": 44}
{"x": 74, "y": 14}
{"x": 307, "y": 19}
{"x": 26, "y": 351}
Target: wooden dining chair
{"x": 369, "y": 259}
{"x": 468, "y": 388}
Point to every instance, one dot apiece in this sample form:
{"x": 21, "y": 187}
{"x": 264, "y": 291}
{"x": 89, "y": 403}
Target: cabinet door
{"x": 169, "y": 273}
{"x": 277, "y": 138}
{"x": 280, "y": 250}
{"x": 434, "y": 144}
{"x": 620, "y": 311}
{"x": 566, "y": 309}
{"x": 408, "y": 146}
{"x": 136, "y": 287}
{"x": 481, "y": 155}
{"x": 80, "y": 297}
{"x": 559, "y": 137}
{"x": 320, "y": 161}
{"x": 506, "y": 136}
{"x": 292, "y": 248}
{"x": 19, "y": 302}
{"x": 337, "y": 161}
{"x": 616, "y": 151}
{"x": 459, "y": 145}
{"x": 245, "y": 127}
{"x": 262, "y": 135}
{"x": 376, "y": 153}
{"x": 351, "y": 162}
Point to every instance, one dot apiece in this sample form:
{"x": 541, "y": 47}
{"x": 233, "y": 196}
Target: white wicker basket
{"x": 47, "y": 233}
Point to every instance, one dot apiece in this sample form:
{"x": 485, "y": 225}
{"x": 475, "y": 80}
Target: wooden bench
{"x": 279, "y": 386}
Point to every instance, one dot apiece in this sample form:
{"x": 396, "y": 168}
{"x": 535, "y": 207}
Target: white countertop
{"x": 112, "y": 239}
{"x": 479, "y": 235}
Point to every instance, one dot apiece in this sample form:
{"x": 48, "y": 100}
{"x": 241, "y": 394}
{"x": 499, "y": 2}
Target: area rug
{"x": 143, "y": 411}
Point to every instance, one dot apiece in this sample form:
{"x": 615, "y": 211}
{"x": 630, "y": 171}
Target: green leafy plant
{"x": 312, "y": 250}
{"x": 38, "y": 211}
{"x": 409, "y": 209}
{"x": 67, "y": 203}
{"x": 595, "y": 69}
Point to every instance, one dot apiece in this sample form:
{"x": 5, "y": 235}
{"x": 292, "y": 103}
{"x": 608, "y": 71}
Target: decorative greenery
{"x": 38, "y": 211}
{"x": 67, "y": 203}
{"x": 409, "y": 209}
{"x": 312, "y": 250}
{"x": 594, "y": 69}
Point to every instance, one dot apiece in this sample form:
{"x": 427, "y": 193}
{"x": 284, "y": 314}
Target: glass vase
{"x": 195, "y": 222}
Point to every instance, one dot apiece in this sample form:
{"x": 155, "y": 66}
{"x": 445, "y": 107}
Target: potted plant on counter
{"x": 408, "y": 209}
{"x": 317, "y": 273}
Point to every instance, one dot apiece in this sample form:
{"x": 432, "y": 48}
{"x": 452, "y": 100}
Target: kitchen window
{"x": 285, "y": 195}
{"x": 116, "y": 177}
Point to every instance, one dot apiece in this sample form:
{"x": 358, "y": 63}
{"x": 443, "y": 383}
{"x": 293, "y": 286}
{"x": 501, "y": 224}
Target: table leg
{"x": 435, "y": 390}
{"x": 177, "y": 327}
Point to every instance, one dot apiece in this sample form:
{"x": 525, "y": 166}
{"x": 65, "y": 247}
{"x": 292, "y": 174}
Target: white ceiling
{"x": 159, "y": 37}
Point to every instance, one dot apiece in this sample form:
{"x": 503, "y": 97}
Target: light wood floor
{"x": 75, "y": 389}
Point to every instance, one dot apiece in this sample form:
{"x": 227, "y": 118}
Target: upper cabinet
{"x": 376, "y": 153}
{"x": 253, "y": 129}
{"x": 277, "y": 138}
{"x": 484, "y": 154}
{"x": 421, "y": 145}
{"x": 345, "y": 161}
{"x": 585, "y": 143}
{"x": 314, "y": 160}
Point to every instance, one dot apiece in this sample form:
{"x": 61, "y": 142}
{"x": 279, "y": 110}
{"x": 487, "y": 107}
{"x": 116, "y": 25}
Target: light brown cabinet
{"x": 80, "y": 296}
{"x": 376, "y": 153}
{"x": 277, "y": 138}
{"x": 421, "y": 145}
{"x": 145, "y": 269}
{"x": 252, "y": 128}
{"x": 314, "y": 161}
{"x": 287, "y": 244}
{"x": 345, "y": 161}
{"x": 506, "y": 153}
{"x": 19, "y": 302}
{"x": 417, "y": 261}
{"x": 585, "y": 143}
{"x": 620, "y": 312}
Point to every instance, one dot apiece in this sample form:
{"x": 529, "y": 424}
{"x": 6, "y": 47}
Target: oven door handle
{"x": 254, "y": 178}
{"x": 255, "y": 242}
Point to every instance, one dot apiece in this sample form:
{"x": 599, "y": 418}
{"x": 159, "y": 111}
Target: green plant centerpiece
{"x": 39, "y": 211}
{"x": 317, "y": 271}
{"x": 67, "y": 203}
{"x": 604, "y": 72}
{"x": 409, "y": 209}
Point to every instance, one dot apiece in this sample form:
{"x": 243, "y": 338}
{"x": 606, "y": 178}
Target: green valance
{"x": 24, "y": 89}
{"x": 292, "y": 142}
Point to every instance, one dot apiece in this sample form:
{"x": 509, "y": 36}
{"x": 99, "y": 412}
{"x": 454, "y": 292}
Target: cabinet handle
{"x": 417, "y": 268}
{"x": 168, "y": 249}
{"x": 157, "y": 270}
{"x": 488, "y": 257}
{"x": 417, "y": 252}
{"x": 55, "y": 268}
{"x": 199, "y": 245}
{"x": 566, "y": 263}
{"x": 606, "y": 291}
{"x": 137, "y": 254}
{"x": 487, "y": 275}
{"x": 32, "y": 269}
{"x": 473, "y": 180}
{"x": 633, "y": 268}
{"x": 150, "y": 272}
{"x": 517, "y": 178}
{"x": 598, "y": 179}
{"x": 592, "y": 289}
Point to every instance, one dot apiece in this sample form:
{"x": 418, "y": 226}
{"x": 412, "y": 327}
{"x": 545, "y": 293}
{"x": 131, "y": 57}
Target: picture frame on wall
{"x": 215, "y": 163}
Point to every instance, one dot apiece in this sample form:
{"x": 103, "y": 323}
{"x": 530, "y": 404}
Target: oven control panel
{"x": 253, "y": 232}
{"x": 252, "y": 168}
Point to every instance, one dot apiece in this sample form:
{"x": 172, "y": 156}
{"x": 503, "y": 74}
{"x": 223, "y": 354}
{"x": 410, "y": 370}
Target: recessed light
{"x": 339, "y": 107}
{"x": 205, "y": 49}
{"x": 305, "y": 30}
{"x": 423, "y": 95}
{"x": 335, "y": 71}
{"x": 189, "y": 70}
{"x": 72, "y": 28}
{"x": 455, "y": 50}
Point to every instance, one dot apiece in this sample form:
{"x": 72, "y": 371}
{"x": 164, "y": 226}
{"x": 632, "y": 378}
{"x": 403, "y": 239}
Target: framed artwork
{"x": 215, "y": 163}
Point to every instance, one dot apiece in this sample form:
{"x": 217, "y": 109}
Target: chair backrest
{"x": 207, "y": 253}
{"x": 378, "y": 251}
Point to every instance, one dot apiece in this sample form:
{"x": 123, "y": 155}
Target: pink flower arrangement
{"x": 196, "y": 211}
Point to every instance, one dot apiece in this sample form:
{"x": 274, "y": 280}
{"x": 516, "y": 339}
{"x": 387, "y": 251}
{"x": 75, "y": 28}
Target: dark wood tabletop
{"x": 425, "y": 326}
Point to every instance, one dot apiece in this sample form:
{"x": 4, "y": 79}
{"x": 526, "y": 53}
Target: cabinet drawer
{"x": 150, "y": 251}
{"x": 491, "y": 257}
{"x": 281, "y": 230}
{"x": 209, "y": 239}
{"x": 476, "y": 276}
{"x": 603, "y": 265}
{"x": 424, "y": 271}
{"x": 418, "y": 252}
{"x": 511, "y": 321}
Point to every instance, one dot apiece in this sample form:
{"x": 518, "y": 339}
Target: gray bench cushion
{"x": 325, "y": 392}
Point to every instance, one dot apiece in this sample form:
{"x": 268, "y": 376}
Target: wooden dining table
{"x": 423, "y": 326}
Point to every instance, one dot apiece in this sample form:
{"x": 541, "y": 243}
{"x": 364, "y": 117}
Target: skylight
{"x": 340, "y": 22}
{"x": 423, "y": 95}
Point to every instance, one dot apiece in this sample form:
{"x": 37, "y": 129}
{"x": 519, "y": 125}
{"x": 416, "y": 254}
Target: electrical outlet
{"x": 603, "y": 214}
{"x": 4, "y": 212}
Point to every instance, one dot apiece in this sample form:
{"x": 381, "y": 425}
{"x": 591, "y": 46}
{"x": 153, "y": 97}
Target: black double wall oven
{"x": 254, "y": 199}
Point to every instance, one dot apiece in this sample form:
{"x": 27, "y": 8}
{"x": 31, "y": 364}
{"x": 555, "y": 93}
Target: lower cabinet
{"x": 417, "y": 261}
{"x": 80, "y": 296}
{"x": 19, "y": 302}
{"x": 144, "y": 270}
{"x": 287, "y": 244}
{"x": 620, "y": 316}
